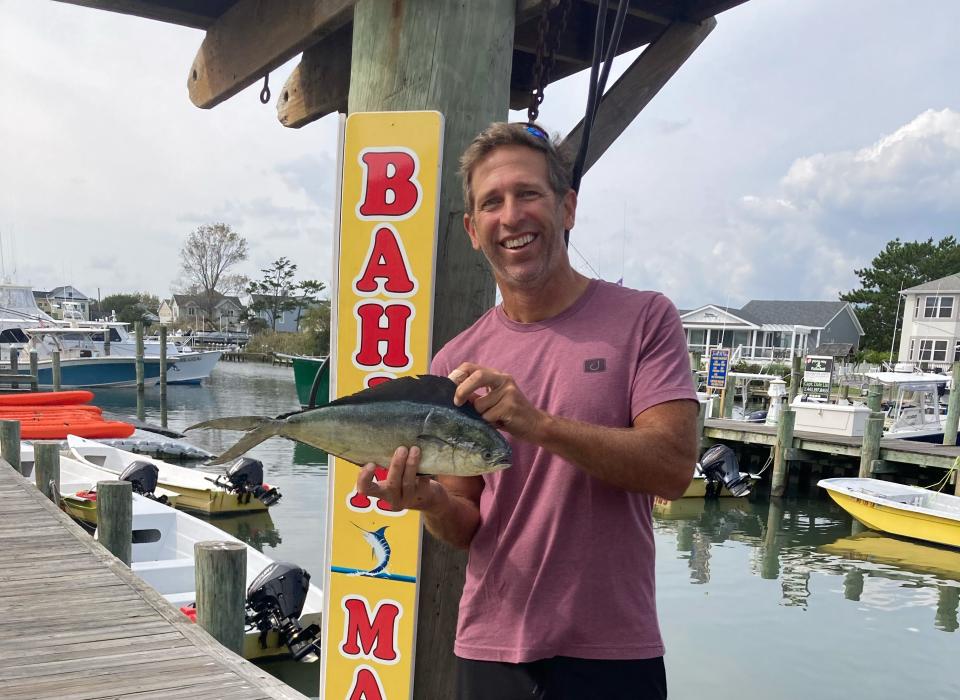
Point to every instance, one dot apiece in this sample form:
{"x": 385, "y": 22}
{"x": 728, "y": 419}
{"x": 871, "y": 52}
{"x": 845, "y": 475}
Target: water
{"x": 757, "y": 600}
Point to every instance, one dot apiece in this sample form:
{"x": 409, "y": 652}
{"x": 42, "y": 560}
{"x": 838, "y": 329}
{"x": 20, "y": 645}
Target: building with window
{"x": 188, "y": 309}
{"x": 67, "y": 303}
{"x": 930, "y": 325}
{"x": 774, "y": 331}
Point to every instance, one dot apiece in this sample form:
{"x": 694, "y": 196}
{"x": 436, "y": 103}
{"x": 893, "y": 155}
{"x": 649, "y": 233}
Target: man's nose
{"x": 512, "y": 211}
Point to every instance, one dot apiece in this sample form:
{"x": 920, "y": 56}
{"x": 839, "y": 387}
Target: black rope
{"x": 265, "y": 93}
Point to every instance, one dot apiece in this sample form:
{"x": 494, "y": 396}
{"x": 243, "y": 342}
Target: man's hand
{"x": 498, "y": 399}
{"x": 402, "y": 488}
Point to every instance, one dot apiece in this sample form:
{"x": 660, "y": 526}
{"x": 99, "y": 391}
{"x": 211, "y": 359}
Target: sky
{"x": 785, "y": 153}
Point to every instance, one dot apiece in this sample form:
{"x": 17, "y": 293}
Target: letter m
{"x": 371, "y": 636}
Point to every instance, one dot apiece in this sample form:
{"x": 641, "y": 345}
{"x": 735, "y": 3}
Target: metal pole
{"x": 10, "y": 443}
{"x": 115, "y": 518}
{"x": 221, "y": 574}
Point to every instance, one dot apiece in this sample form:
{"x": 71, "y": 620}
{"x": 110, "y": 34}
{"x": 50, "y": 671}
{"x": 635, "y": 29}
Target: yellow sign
{"x": 389, "y": 196}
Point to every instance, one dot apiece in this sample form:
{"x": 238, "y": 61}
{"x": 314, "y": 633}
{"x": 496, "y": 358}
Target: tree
{"x": 316, "y": 321}
{"x": 129, "y": 308}
{"x": 310, "y": 297}
{"x": 273, "y": 293}
{"x": 898, "y": 266}
{"x": 207, "y": 256}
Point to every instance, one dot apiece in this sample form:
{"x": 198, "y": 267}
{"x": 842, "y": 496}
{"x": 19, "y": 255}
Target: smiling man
{"x": 591, "y": 384}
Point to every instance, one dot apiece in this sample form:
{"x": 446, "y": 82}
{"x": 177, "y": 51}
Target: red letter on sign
{"x": 389, "y": 187}
{"x": 357, "y": 501}
{"x": 386, "y": 265}
{"x": 376, "y": 639}
{"x": 395, "y": 334}
{"x": 366, "y": 685}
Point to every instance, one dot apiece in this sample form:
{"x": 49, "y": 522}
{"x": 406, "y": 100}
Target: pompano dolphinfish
{"x": 370, "y": 425}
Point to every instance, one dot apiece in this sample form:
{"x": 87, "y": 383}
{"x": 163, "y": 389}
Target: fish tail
{"x": 266, "y": 429}
{"x": 244, "y": 423}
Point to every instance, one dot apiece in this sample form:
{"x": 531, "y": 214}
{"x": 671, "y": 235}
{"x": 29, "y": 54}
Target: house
{"x": 189, "y": 309}
{"x": 767, "y": 331}
{"x": 288, "y": 320}
{"x": 930, "y": 327}
{"x": 64, "y": 302}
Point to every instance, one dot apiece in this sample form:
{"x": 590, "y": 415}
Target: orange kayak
{"x": 87, "y": 429}
{"x": 47, "y": 398}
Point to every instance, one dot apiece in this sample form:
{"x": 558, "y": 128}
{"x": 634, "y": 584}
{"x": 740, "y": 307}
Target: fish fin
{"x": 231, "y": 423}
{"x": 267, "y": 429}
{"x": 425, "y": 388}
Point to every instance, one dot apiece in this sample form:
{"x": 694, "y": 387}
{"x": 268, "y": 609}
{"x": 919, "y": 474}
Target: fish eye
{"x": 487, "y": 455}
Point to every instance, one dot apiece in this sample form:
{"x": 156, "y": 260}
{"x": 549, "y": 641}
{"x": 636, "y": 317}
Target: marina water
{"x": 758, "y": 599}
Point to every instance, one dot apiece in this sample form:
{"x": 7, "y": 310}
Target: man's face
{"x": 517, "y": 219}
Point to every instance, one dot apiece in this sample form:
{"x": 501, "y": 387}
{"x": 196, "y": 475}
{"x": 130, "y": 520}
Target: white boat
{"x": 283, "y": 610}
{"x": 239, "y": 490}
{"x": 914, "y": 411}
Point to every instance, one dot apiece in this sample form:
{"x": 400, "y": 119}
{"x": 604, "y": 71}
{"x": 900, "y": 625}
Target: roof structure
{"x": 945, "y": 285}
{"x": 834, "y": 349}
{"x": 815, "y": 314}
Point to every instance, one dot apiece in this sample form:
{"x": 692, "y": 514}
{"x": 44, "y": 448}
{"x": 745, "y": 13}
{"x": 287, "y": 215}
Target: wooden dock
{"x": 76, "y": 624}
{"x": 811, "y": 447}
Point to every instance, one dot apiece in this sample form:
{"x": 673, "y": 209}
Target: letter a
{"x": 390, "y": 188}
{"x": 366, "y": 685}
{"x": 386, "y": 265}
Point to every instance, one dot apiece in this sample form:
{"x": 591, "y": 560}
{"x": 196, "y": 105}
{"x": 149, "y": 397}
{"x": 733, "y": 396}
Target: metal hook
{"x": 265, "y": 93}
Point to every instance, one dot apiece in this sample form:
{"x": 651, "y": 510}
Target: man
{"x": 592, "y": 385}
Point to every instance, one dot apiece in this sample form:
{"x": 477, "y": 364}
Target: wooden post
{"x": 14, "y": 365}
{"x": 55, "y": 369}
{"x": 221, "y": 574}
{"x": 10, "y": 443}
{"x": 875, "y": 398}
{"x": 401, "y": 74}
{"x": 701, "y": 419}
{"x": 139, "y": 331}
{"x": 46, "y": 468}
{"x": 106, "y": 343}
{"x": 845, "y": 392}
{"x": 870, "y": 447}
{"x": 115, "y": 518}
{"x": 788, "y": 418}
{"x": 729, "y": 394}
{"x": 163, "y": 362}
{"x": 953, "y": 408}
{"x": 795, "y": 379}
{"x": 770, "y": 557}
{"x": 34, "y": 369}
{"x": 695, "y": 367}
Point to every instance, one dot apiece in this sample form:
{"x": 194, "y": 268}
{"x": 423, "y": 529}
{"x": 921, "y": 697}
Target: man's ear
{"x": 471, "y": 231}
{"x": 569, "y": 209}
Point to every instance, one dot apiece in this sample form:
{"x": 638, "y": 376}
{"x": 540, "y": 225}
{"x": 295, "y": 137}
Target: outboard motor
{"x": 756, "y": 416}
{"x": 143, "y": 477}
{"x": 275, "y": 600}
{"x": 245, "y": 478}
{"x": 720, "y": 468}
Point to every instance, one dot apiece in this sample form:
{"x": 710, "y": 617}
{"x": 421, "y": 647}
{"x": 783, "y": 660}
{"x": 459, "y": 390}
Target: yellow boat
{"x": 908, "y": 511}
{"x": 919, "y": 558}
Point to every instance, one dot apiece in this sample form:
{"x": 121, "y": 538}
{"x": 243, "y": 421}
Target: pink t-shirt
{"x": 562, "y": 563}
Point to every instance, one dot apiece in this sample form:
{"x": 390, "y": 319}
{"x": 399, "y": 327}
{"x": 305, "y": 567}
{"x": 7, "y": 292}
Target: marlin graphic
{"x": 381, "y": 549}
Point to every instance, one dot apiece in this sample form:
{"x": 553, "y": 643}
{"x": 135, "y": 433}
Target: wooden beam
{"x": 198, "y": 15}
{"x": 255, "y": 36}
{"x": 320, "y": 84}
{"x": 638, "y": 85}
{"x": 635, "y": 12}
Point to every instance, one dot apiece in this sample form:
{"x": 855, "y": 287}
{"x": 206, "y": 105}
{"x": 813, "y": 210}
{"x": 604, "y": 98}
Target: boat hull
{"x": 193, "y": 367}
{"x": 99, "y": 372}
{"x": 305, "y": 372}
{"x": 883, "y": 518}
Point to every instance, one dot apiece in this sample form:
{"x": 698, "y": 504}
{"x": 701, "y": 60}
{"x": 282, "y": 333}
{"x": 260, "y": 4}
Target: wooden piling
{"x": 953, "y": 408}
{"x": 875, "y": 398}
{"x": 795, "y": 379}
{"x": 106, "y": 343}
{"x": 10, "y": 442}
{"x": 34, "y": 368}
{"x": 14, "y": 365}
{"x": 139, "y": 331}
{"x": 221, "y": 574}
{"x": 788, "y": 418}
{"x": 870, "y": 447}
{"x": 55, "y": 369}
{"x": 163, "y": 362}
{"x": 46, "y": 468}
{"x": 701, "y": 419}
{"x": 115, "y": 518}
{"x": 729, "y": 394}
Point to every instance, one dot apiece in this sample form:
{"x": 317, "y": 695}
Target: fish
{"x": 370, "y": 425}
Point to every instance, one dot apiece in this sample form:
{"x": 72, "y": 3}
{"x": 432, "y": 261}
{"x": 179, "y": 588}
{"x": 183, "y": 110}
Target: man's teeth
{"x": 518, "y": 242}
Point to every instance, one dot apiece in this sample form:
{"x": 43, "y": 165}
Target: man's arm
{"x": 654, "y": 456}
{"x": 450, "y": 505}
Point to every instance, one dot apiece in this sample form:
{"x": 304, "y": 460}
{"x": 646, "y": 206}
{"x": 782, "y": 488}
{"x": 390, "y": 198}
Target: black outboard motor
{"x": 143, "y": 477}
{"x": 756, "y": 416}
{"x": 720, "y": 468}
{"x": 274, "y": 602}
{"x": 245, "y": 478}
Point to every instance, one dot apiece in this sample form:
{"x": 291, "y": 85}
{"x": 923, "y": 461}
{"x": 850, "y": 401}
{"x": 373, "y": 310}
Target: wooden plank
{"x": 256, "y": 36}
{"x": 198, "y": 15}
{"x": 638, "y": 85}
{"x": 320, "y": 84}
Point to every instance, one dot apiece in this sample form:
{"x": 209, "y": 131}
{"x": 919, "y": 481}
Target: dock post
{"x": 46, "y": 468}
{"x": 221, "y": 574}
{"x": 55, "y": 369}
{"x": 795, "y": 377}
{"x": 139, "y": 331}
{"x": 701, "y": 419}
{"x": 106, "y": 343}
{"x": 770, "y": 547}
{"x": 845, "y": 392}
{"x": 870, "y": 447}
{"x": 729, "y": 394}
{"x": 14, "y": 365}
{"x": 10, "y": 443}
{"x": 115, "y": 518}
{"x": 163, "y": 362}
{"x": 788, "y": 419}
{"x": 953, "y": 408}
{"x": 34, "y": 369}
{"x": 695, "y": 366}
{"x": 875, "y": 398}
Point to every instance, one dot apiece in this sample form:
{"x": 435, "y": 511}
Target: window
{"x": 932, "y": 351}
{"x": 938, "y": 307}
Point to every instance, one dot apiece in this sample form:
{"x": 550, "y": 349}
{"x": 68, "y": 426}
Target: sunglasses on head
{"x": 535, "y": 130}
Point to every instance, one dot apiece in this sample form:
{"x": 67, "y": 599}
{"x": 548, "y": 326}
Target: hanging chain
{"x": 265, "y": 93}
{"x": 545, "y": 57}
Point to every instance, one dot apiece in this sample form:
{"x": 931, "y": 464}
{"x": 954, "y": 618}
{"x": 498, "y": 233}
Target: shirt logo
{"x": 598, "y": 364}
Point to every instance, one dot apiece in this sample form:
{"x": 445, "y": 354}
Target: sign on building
{"x": 817, "y": 376}
{"x": 385, "y": 258}
{"x": 719, "y": 363}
